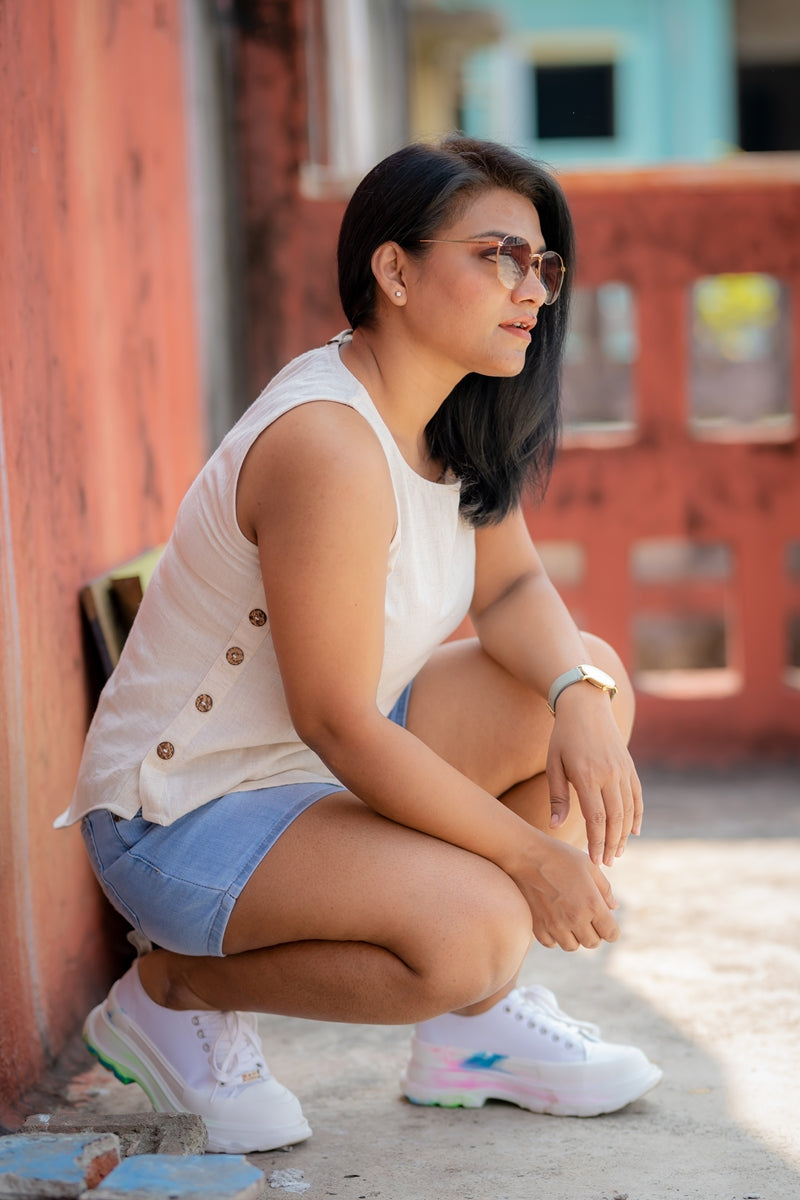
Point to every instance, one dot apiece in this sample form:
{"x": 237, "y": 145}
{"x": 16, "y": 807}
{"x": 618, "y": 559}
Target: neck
{"x": 405, "y": 388}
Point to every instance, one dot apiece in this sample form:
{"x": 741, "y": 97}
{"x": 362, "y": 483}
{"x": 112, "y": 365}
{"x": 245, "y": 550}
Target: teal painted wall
{"x": 675, "y": 97}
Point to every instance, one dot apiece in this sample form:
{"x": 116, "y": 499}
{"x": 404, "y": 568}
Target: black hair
{"x": 497, "y": 435}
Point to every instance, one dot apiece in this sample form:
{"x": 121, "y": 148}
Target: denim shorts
{"x": 177, "y": 884}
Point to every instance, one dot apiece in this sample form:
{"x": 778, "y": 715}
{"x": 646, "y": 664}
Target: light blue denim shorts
{"x": 177, "y": 884}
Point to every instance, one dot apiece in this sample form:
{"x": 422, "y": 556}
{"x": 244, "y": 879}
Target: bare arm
{"x": 316, "y": 495}
{"x": 524, "y": 625}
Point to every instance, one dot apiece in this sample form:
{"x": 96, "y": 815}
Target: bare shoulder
{"x": 321, "y": 456}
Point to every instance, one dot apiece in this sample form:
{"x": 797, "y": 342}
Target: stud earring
{"x": 398, "y": 293}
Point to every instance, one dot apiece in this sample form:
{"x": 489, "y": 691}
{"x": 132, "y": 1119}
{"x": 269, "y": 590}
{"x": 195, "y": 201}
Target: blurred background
{"x": 172, "y": 176}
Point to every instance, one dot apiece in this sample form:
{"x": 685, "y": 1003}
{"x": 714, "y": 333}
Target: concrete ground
{"x": 705, "y": 978}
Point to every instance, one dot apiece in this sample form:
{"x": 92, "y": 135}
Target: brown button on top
{"x": 235, "y": 655}
{"x": 165, "y": 749}
{"x": 258, "y": 617}
{"x": 204, "y": 703}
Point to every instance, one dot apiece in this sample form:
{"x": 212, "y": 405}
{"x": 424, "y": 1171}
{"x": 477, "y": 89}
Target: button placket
{"x": 245, "y": 640}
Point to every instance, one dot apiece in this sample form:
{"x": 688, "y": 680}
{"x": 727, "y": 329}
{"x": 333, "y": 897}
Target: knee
{"x": 606, "y": 657}
{"x": 488, "y": 937}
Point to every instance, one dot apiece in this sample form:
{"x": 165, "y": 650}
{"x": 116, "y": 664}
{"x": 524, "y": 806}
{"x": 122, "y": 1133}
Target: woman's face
{"x": 459, "y": 310}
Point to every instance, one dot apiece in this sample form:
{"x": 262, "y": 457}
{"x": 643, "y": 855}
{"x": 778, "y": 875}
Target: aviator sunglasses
{"x": 514, "y": 258}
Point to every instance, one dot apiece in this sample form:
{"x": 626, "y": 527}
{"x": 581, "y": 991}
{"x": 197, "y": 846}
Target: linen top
{"x": 195, "y": 707}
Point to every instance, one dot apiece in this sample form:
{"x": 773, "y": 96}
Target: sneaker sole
{"x": 563, "y": 1090}
{"x": 110, "y": 1047}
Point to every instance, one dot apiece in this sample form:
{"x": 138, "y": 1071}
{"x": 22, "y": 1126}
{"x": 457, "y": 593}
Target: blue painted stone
{"x": 44, "y": 1164}
{"x": 191, "y": 1177}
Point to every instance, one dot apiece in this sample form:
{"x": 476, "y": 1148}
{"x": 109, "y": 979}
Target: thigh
{"x": 344, "y": 873}
{"x": 487, "y": 724}
{"x": 479, "y": 718}
{"x": 178, "y": 883}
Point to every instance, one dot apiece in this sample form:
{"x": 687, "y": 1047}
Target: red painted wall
{"x": 659, "y": 231}
{"x": 101, "y": 434}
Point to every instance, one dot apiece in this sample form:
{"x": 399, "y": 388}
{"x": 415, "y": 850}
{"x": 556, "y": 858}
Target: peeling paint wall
{"x": 100, "y": 435}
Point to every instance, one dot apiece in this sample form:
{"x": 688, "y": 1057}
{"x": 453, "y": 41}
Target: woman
{"x": 307, "y": 802}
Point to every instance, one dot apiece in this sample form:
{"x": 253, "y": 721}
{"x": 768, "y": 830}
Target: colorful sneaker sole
{"x": 453, "y": 1078}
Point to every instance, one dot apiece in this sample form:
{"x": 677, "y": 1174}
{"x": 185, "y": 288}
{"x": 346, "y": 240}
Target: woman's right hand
{"x": 570, "y": 899}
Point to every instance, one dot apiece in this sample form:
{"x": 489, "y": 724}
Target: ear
{"x": 388, "y": 266}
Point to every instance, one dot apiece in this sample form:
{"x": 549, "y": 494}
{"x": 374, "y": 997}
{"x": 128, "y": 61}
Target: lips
{"x": 521, "y": 327}
{"x": 524, "y": 324}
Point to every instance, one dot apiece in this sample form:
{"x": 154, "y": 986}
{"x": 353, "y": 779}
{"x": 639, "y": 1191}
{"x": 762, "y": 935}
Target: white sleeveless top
{"x": 195, "y": 708}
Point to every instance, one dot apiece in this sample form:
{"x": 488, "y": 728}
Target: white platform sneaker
{"x": 210, "y": 1063}
{"x": 527, "y": 1051}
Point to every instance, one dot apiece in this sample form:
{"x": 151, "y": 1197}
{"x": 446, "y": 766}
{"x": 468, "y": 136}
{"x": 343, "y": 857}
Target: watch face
{"x": 601, "y": 678}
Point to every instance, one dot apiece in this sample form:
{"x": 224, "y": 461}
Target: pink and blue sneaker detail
{"x": 526, "y": 1051}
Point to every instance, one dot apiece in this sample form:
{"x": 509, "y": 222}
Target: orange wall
{"x": 659, "y": 231}
{"x": 100, "y": 435}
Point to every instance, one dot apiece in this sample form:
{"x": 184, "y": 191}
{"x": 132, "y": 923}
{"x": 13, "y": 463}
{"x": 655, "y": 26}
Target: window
{"x": 575, "y": 101}
{"x": 601, "y": 347}
{"x": 681, "y": 626}
{"x": 769, "y": 106}
{"x": 741, "y": 361}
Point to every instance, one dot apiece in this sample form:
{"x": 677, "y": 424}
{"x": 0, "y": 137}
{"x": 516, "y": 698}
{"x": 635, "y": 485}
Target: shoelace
{"x": 537, "y": 1005}
{"x": 236, "y": 1057}
{"x": 543, "y": 998}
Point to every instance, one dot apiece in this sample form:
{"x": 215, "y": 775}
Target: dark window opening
{"x": 575, "y": 101}
{"x": 769, "y": 106}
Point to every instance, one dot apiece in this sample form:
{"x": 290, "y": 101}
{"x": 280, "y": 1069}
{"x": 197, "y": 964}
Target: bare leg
{"x": 351, "y": 917}
{"x": 500, "y": 733}
{"x": 354, "y": 918}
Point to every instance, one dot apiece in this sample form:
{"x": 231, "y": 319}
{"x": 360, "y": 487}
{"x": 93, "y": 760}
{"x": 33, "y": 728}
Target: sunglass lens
{"x": 513, "y": 261}
{"x": 550, "y": 274}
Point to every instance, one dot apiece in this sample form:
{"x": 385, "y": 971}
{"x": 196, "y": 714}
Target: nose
{"x": 530, "y": 289}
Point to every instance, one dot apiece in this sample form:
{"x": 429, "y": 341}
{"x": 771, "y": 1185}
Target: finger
{"x": 595, "y": 816}
{"x": 629, "y": 816}
{"x": 590, "y": 939}
{"x": 638, "y": 804}
{"x": 544, "y": 937}
{"x": 604, "y": 923}
{"x": 559, "y": 795}
{"x": 606, "y": 928}
{"x": 614, "y": 809}
{"x": 605, "y": 890}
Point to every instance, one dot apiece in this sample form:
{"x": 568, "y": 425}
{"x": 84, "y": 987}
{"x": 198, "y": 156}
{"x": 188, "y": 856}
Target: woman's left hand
{"x": 588, "y": 751}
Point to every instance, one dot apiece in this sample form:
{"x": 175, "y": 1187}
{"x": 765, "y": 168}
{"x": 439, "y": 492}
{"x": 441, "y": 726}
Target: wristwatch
{"x": 585, "y": 672}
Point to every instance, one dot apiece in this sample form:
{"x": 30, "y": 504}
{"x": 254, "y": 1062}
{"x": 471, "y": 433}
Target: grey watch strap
{"x": 594, "y": 675}
{"x": 574, "y": 675}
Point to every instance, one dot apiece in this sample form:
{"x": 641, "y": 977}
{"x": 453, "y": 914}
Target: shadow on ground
{"x": 706, "y": 978}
